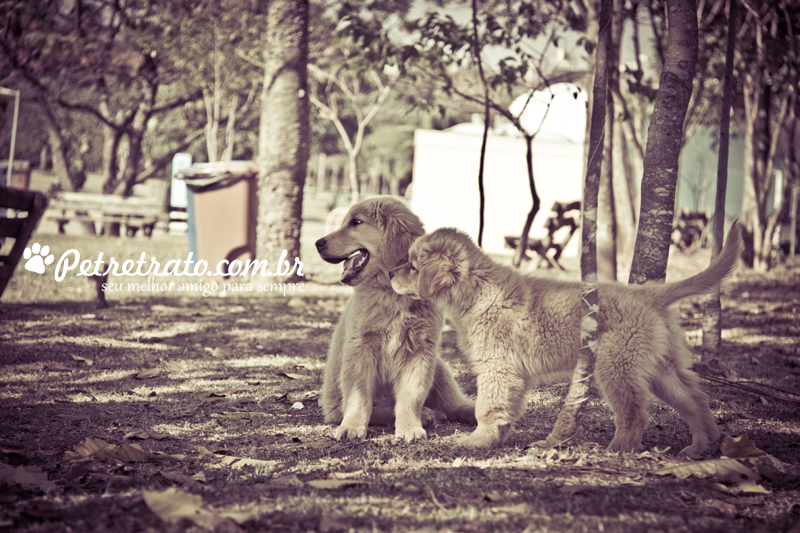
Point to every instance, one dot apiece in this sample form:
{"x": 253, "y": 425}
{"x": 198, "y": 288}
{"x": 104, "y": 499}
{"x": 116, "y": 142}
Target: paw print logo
{"x": 34, "y": 255}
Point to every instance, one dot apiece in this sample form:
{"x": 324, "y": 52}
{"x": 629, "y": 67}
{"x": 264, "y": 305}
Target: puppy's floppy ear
{"x": 436, "y": 272}
{"x": 400, "y": 226}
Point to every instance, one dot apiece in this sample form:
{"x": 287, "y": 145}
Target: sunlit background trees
{"x": 118, "y": 87}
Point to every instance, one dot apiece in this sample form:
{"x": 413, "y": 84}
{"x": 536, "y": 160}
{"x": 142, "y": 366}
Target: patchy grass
{"x": 213, "y": 380}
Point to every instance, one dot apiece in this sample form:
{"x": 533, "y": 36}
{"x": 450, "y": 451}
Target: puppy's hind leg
{"x": 620, "y": 356}
{"x": 679, "y": 388}
{"x": 446, "y": 396}
{"x": 629, "y": 399}
{"x": 630, "y": 418}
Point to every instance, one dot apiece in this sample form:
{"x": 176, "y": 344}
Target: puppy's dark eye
{"x": 355, "y": 222}
{"x": 413, "y": 268}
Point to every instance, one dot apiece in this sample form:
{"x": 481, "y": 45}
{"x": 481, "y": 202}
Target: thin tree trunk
{"x": 624, "y": 207}
{"x": 606, "y": 202}
{"x": 58, "y": 149}
{"x": 484, "y": 139}
{"x": 322, "y": 168}
{"x": 230, "y": 129}
{"x": 355, "y": 186}
{"x": 660, "y": 177}
{"x": 567, "y": 423}
{"x": 712, "y": 310}
{"x": 283, "y": 136}
{"x": 526, "y": 228}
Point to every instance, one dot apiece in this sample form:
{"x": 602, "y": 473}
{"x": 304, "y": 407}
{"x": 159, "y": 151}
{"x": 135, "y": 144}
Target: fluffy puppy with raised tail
{"x": 515, "y": 329}
{"x": 384, "y": 364}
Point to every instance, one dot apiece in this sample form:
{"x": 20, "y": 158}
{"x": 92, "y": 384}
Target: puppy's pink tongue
{"x": 353, "y": 264}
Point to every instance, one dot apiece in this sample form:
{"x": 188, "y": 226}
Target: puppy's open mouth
{"x": 354, "y": 264}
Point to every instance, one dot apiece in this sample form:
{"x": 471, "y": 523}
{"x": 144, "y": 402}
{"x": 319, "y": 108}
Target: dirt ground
{"x": 173, "y": 411}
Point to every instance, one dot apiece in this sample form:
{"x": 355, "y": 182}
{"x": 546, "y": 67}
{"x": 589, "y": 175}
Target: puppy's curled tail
{"x": 704, "y": 282}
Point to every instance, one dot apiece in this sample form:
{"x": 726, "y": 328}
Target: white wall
{"x": 445, "y": 182}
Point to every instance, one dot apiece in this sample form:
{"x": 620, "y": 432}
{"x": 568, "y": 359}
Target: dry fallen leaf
{"x": 290, "y": 480}
{"x": 155, "y": 435}
{"x": 88, "y": 362}
{"x": 174, "y": 505}
{"x": 56, "y": 367}
{"x": 100, "y": 450}
{"x": 346, "y": 475}
{"x": 736, "y": 447}
{"x": 520, "y": 508}
{"x": 268, "y": 466}
{"x": 723, "y": 507}
{"x": 713, "y": 467}
{"x": 209, "y": 451}
{"x": 332, "y": 483}
{"x": 493, "y": 496}
{"x": 141, "y": 435}
{"x": 25, "y": 476}
{"x": 725, "y": 470}
{"x": 292, "y": 376}
{"x": 148, "y": 374}
{"x": 303, "y": 396}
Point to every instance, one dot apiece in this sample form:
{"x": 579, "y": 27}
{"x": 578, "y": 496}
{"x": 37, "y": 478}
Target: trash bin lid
{"x": 202, "y": 177}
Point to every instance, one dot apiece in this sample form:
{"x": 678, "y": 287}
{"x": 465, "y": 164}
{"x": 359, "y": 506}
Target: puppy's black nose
{"x": 391, "y": 274}
{"x": 320, "y": 244}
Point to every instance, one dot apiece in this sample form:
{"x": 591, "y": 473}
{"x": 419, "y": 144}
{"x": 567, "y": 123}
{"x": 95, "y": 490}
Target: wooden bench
{"x": 690, "y": 230}
{"x": 20, "y": 228}
{"x": 554, "y": 222}
{"x": 133, "y": 213}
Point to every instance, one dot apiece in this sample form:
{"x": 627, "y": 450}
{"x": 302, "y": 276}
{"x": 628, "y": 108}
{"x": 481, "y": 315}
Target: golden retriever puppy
{"x": 384, "y": 362}
{"x": 517, "y": 328}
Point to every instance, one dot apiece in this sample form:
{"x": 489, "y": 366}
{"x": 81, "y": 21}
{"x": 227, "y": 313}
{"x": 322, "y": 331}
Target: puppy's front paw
{"x": 410, "y": 434}
{"x": 464, "y": 414}
{"x": 618, "y": 445}
{"x": 696, "y": 452}
{"x": 428, "y": 416}
{"x": 350, "y": 433}
{"x": 480, "y": 438}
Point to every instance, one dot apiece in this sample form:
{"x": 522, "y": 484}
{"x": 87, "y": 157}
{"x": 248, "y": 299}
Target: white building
{"x": 445, "y": 184}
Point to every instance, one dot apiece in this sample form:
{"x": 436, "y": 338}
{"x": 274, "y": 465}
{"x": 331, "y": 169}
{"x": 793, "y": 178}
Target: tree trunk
{"x": 606, "y": 201}
{"x": 355, "y": 185}
{"x": 664, "y": 144}
{"x": 58, "y": 149}
{"x": 230, "y": 129}
{"x": 111, "y": 139}
{"x": 526, "y": 228}
{"x": 622, "y": 167}
{"x": 322, "y": 168}
{"x": 567, "y": 423}
{"x": 712, "y": 310}
{"x": 591, "y": 35}
{"x": 624, "y": 205}
{"x": 135, "y": 138}
{"x": 481, "y": 165}
{"x": 283, "y": 136}
{"x": 756, "y": 138}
